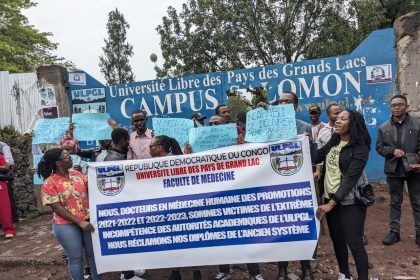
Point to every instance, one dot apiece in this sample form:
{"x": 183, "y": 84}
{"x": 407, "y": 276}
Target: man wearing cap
{"x": 199, "y": 119}
{"x": 316, "y": 125}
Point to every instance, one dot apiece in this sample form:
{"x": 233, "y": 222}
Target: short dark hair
{"x": 119, "y": 134}
{"x": 218, "y": 108}
{"x": 399, "y": 96}
{"x": 331, "y": 105}
{"x": 138, "y": 111}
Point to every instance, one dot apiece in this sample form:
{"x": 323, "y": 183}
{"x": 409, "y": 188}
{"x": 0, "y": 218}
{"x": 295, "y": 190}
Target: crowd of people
{"x": 339, "y": 151}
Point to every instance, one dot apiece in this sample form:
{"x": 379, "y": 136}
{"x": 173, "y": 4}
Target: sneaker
{"x": 9, "y": 236}
{"x": 257, "y": 277}
{"x": 364, "y": 240}
{"x": 341, "y": 276}
{"x": 139, "y": 272}
{"x": 223, "y": 276}
{"x": 391, "y": 238}
{"x": 87, "y": 275}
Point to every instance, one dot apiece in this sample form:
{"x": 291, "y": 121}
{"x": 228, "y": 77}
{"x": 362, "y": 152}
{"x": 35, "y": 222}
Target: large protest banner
{"x": 239, "y": 204}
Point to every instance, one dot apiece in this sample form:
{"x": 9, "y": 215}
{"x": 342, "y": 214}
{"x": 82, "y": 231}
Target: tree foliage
{"x": 218, "y": 35}
{"x": 22, "y": 47}
{"x": 114, "y": 63}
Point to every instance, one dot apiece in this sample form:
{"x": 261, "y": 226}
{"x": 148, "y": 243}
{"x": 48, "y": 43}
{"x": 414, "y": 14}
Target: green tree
{"x": 22, "y": 47}
{"x": 210, "y": 35}
{"x": 218, "y": 35}
{"x": 114, "y": 63}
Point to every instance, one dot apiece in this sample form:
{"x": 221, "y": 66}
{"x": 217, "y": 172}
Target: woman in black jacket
{"x": 345, "y": 157}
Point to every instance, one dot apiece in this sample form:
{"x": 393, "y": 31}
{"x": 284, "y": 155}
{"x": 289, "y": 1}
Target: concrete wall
{"x": 407, "y": 39}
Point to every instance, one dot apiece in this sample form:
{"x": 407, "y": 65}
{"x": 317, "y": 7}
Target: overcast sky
{"x": 79, "y": 27}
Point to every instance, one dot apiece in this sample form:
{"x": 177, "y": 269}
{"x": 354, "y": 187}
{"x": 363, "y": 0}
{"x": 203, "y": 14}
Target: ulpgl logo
{"x": 110, "y": 179}
{"x": 286, "y": 158}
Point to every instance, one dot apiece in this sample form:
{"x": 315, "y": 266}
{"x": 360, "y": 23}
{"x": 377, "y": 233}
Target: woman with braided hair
{"x": 65, "y": 191}
{"x": 345, "y": 157}
{"x": 162, "y": 146}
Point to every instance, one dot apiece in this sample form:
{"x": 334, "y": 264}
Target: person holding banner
{"x": 140, "y": 138}
{"x": 65, "y": 191}
{"x": 345, "y": 157}
{"x": 163, "y": 146}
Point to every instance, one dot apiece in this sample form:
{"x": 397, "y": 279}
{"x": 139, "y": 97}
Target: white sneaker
{"x": 257, "y": 277}
{"x": 139, "y": 272}
{"x": 223, "y": 276}
{"x": 341, "y": 276}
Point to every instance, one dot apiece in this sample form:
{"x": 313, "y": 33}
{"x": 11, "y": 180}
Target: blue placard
{"x": 173, "y": 127}
{"x": 36, "y": 159}
{"x": 275, "y": 123}
{"x": 213, "y": 137}
{"x": 50, "y": 130}
{"x": 91, "y": 126}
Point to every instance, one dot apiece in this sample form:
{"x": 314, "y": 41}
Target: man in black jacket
{"x": 399, "y": 143}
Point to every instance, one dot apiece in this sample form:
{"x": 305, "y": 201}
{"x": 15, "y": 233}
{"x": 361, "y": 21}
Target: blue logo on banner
{"x": 110, "y": 179}
{"x": 286, "y": 158}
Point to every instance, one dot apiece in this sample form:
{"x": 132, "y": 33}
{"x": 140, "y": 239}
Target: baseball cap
{"x": 315, "y": 108}
{"x": 198, "y": 116}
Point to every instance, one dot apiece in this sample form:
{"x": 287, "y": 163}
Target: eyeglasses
{"x": 152, "y": 145}
{"x": 395, "y": 106}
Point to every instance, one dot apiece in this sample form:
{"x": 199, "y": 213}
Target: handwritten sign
{"x": 36, "y": 159}
{"x": 212, "y": 137}
{"x": 50, "y": 130}
{"x": 92, "y": 126}
{"x": 272, "y": 124}
{"x": 173, "y": 127}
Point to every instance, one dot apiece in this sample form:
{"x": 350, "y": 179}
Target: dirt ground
{"x": 401, "y": 259}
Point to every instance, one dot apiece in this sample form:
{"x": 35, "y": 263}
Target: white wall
{"x": 20, "y": 116}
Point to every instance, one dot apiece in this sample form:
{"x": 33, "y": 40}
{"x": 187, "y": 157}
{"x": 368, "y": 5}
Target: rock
{"x": 404, "y": 278}
{"x": 415, "y": 262}
{"x": 324, "y": 269}
{"x": 403, "y": 265}
{"x": 370, "y": 265}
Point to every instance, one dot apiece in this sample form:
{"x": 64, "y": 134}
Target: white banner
{"x": 247, "y": 203}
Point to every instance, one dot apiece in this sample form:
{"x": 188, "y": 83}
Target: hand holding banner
{"x": 50, "y": 130}
{"x": 92, "y": 126}
{"x": 173, "y": 127}
{"x": 212, "y": 137}
{"x": 272, "y": 124}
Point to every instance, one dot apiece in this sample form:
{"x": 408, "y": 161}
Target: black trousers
{"x": 305, "y": 264}
{"x": 346, "y": 226}
{"x": 253, "y": 268}
{"x": 396, "y": 189}
{"x": 128, "y": 274}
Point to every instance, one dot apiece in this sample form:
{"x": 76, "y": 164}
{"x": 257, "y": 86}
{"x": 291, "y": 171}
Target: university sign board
{"x": 363, "y": 80}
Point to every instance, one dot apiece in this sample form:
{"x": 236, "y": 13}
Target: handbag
{"x": 364, "y": 195}
{"x": 363, "y": 192}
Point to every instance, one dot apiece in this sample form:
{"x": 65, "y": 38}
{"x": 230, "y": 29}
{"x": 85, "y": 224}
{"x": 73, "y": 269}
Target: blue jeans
{"x": 74, "y": 240}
